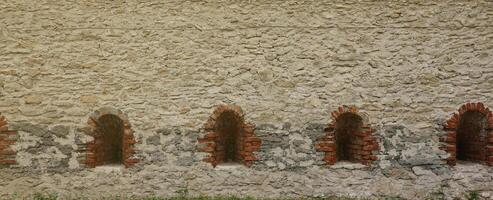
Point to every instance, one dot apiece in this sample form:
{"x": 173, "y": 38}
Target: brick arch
{"x": 358, "y": 143}
{"x": 216, "y": 142}
{"x": 480, "y": 146}
{"x": 97, "y": 148}
{"x": 7, "y": 138}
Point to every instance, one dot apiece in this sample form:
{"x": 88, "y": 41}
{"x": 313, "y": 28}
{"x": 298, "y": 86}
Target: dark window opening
{"x": 347, "y": 146}
{"x": 471, "y": 136}
{"x": 109, "y": 140}
{"x": 228, "y": 126}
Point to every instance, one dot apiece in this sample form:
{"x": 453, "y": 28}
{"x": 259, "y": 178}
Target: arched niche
{"x": 348, "y": 137}
{"x": 228, "y": 138}
{"x": 113, "y": 140}
{"x": 469, "y": 135}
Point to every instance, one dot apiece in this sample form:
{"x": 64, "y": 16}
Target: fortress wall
{"x": 406, "y": 66}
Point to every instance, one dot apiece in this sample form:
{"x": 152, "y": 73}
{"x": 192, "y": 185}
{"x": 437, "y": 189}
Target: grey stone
{"x": 66, "y": 149}
{"x": 286, "y": 126}
{"x": 265, "y": 127}
{"x": 272, "y": 139}
{"x": 154, "y": 140}
{"x": 185, "y": 161}
{"x": 177, "y": 131}
{"x": 164, "y": 131}
{"x": 61, "y": 131}
{"x": 419, "y": 171}
{"x": 316, "y": 127}
{"x": 37, "y": 130}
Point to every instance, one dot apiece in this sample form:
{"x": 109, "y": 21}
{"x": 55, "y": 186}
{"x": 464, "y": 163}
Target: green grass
{"x": 473, "y": 195}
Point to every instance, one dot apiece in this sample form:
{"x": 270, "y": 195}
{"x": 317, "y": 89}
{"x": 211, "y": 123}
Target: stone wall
{"x": 407, "y": 66}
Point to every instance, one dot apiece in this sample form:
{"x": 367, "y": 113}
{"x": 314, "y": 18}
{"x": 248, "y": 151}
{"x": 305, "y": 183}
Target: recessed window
{"x": 228, "y": 126}
{"x": 347, "y": 143}
{"x": 113, "y": 142}
{"x": 229, "y": 139}
{"x": 471, "y": 136}
{"x": 110, "y": 138}
{"x": 348, "y": 138}
{"x": 469, "y": 133}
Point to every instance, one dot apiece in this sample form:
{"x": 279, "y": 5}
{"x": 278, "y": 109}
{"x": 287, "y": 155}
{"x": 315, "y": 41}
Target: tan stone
{"x": 33, "y": 99}
{"x": 91, "y": 99}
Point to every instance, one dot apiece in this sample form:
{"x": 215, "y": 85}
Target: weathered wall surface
{"x": 407, "y": 65}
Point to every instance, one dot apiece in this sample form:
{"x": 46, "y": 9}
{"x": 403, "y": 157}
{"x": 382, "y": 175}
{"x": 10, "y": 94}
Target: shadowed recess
{"x": 111, "y": 137}
{"x": 471, "y": 136}
{"x": 346, "y": 126}
{"x": 228, "y": 126}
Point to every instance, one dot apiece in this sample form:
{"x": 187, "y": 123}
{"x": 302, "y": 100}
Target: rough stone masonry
{"x": 281, "y": 69}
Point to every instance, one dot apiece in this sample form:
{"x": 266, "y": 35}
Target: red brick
{"x": 369, "y": 139}
{"x": 7, "y": 152}
{"x": 8, "y": 162}
{"x": 448, "y": 148}
{"x": 452, "y": 122}
{"x": 363, "y": 134}
{"x": 207, "y": 149}
{"x": 359, "y": 142}
{"x": 9, "y": 132}
{"x": 128, "y": 151}
{"x": 3, "y": 124}
{"x": 211, "y": 136}
{"x": 452, "y": 134}
{"x": 204, "y": 140}
{"x": 368, "y": 147}
{"x": 248, "y": 129}
{"x": 251, "y": 139}
{"x": 132, "y": 161}
{"x": 489, "y": 148}
{"x": 251, "y": 148}
{"x": 327, "y": 149}
{"x": 463, "y": 109}
{"x": 365, "y": 152}
{"x": 257, "y": 143}
{"x": 249, "y": 158}
{"x": 480, "y": 107}
{"x": 8, "y": 142}
{"x": 7, "y": 155}
{"x": 330, "y": 159}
